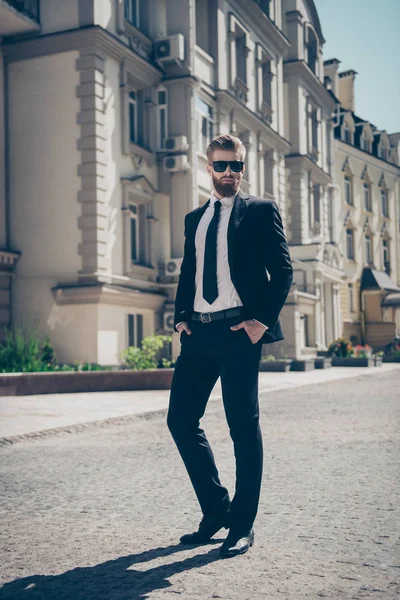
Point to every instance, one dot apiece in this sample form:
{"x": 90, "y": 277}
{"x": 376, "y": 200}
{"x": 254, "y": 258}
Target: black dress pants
{"x": 213, "y": 350}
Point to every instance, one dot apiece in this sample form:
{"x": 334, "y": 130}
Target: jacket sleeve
{"x": 278, "y": 263}
{"x": 184, "y": 292}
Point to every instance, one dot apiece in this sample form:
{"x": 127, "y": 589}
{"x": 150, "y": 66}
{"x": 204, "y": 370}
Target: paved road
{"x": 98, "y": 514}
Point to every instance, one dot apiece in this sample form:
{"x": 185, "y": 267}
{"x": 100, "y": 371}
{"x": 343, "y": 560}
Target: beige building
{"x": 367, "y": 182}
{"x": 109, "y": 106}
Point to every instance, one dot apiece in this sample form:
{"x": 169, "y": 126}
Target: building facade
{"x": 108, "y": 109}
{"x": 367, "y": 180}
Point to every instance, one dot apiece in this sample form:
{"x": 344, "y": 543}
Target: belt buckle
{"x": 203, "y": 319}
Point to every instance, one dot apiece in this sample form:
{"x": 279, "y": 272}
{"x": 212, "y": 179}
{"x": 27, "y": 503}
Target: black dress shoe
{"x": 236, "y": 544}
{"x": 207, "y": 528}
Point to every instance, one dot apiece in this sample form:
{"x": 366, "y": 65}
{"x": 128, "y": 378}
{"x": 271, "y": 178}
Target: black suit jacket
{"x": 256, "y": 244}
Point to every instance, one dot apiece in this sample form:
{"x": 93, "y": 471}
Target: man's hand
{"x": 184, "y": 326}
{"x": 254, "y": 329}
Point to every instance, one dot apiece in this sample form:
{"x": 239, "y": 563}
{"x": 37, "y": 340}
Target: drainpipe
{"x": 362, "y": 317}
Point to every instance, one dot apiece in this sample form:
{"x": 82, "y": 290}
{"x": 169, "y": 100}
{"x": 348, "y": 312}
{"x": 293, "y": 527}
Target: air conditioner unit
{"x": 170, "y": 49}
{"x": 175, "y": 163}
{"x": 168, "y": 321}
{"x": 175, "y": 144}
{"x": 173, "y": 266}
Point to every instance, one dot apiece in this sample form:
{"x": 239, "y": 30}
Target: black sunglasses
{"x": 220, "y": 166}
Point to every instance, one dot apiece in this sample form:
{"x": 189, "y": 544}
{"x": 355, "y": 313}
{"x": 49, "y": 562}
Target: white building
{"x": 311, "y": 316}
{"x": 367, "y": 179}
{"x": 109, "y": 106}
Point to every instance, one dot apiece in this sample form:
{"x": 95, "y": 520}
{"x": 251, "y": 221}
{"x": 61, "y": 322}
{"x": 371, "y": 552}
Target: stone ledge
{"x": 25, "y": 384}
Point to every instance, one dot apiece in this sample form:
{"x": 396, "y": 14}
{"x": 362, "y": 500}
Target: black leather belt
{"x": 219, "y": 314}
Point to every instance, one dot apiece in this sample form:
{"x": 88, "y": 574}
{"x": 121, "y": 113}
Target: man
{"x": 226, "y": 307}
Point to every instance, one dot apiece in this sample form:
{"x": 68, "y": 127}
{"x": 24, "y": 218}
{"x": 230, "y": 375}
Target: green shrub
{"x": 268, "y": 358}
{"x": 146, "y": 356}
{"x": 23, "y": 351}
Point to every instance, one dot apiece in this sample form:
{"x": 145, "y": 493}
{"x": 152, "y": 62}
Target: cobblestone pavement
{"x": 98, "y": 514}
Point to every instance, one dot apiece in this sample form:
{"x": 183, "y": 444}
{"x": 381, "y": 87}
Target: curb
{"x": 103, "y": 423}
{"x": 78, "y": 427}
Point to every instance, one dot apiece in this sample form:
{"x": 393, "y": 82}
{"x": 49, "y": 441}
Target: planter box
{"x": 21, "y": 384}
{"x": 275, "y": 365}
{"x": 391, "y": 359}
{"x": 323, "y": 362}
{"x": 302, "y": 365}
{"x": 352, "y": 362}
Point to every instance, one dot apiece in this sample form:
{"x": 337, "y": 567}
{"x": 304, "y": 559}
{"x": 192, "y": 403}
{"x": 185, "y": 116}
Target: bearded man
{"x": 235, "y": 277}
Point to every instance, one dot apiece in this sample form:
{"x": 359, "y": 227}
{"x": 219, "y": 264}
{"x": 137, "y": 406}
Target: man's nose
{"x": 228, "y": 171}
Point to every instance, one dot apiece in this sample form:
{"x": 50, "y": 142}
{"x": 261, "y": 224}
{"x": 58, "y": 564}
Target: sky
{"x": 365, "y": 36}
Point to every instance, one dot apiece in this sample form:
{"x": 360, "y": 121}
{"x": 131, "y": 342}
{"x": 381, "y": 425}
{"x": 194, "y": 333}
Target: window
{"x": 367, "y": 196}
{"x": 348, "y": 136}
{"x": 269, "y": 172}
{"x": 382, "y": 152}
{"x": 368, "y": 249}
{"x": 162, "y": 116}
{"x": 205, "y": 124}
{"x": 132, "y": 12}
{"x": 386, "y": 256}
{"x": 265, "y": 6}
{"x": 365, "y": 144}
{"x": 311, "y": 50}
{"x": 350, "y": 244}
{"x": 133, "y": 120}
{"x": 203, "y": 29}
{"x": 267, "y": 83}
{"x": 317, "y": 203}
{"x": 384, "y": 203}
{"x": 134, "y": 232}
{"x": 135, "y": 330}
{"x": 241, "y": 55}
{"x": 351, "y": 297}
{"x": 313, "y": 116}
{"x": 348, "y": 191}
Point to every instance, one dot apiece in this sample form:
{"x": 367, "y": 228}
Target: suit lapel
{"x": 238, "y": 211}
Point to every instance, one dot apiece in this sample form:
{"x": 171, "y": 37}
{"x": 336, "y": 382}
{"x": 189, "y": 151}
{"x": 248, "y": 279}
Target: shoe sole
{"x": 238, "y": 553}
{"x": 202, "y": 541}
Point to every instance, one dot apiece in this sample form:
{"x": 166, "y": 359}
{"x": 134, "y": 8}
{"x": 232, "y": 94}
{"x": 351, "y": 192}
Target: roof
{"x": 372, "y": 279}
{"x": 391, "y": 299}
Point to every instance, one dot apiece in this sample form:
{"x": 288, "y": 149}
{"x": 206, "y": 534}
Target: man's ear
{"x": 209, "y": 169}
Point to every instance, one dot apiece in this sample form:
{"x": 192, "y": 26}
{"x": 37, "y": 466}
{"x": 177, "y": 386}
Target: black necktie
{"x": 210, "y": 285}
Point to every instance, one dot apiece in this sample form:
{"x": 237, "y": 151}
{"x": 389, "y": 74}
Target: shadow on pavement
{"x": 111, "y": 580}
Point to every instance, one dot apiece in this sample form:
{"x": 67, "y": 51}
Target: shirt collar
{"x": 227, "y": 202}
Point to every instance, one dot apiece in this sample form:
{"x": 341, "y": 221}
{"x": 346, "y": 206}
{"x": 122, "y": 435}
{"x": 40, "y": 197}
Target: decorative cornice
{"x": 299, "y": 68}
{"x": 108, "y": 294}
{"x": 262, "y": 25}
{"x": 79, "y": 39}
{"x": 305, "y": 162}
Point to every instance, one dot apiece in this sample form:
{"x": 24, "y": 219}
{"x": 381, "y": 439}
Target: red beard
{"x": 225, "y": 189}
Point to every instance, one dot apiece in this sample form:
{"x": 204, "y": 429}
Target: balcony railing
{"x": 30, "y": 8}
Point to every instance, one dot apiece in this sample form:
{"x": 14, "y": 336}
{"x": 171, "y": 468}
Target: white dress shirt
{"x": 227, "y": 294}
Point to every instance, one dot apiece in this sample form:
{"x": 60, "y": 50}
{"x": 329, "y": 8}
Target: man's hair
{"x": 226, "y": 142}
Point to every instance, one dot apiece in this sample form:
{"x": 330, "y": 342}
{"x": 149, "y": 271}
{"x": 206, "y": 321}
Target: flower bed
{"x": 339, "y": 361}
{"x": 21, "y": 384}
